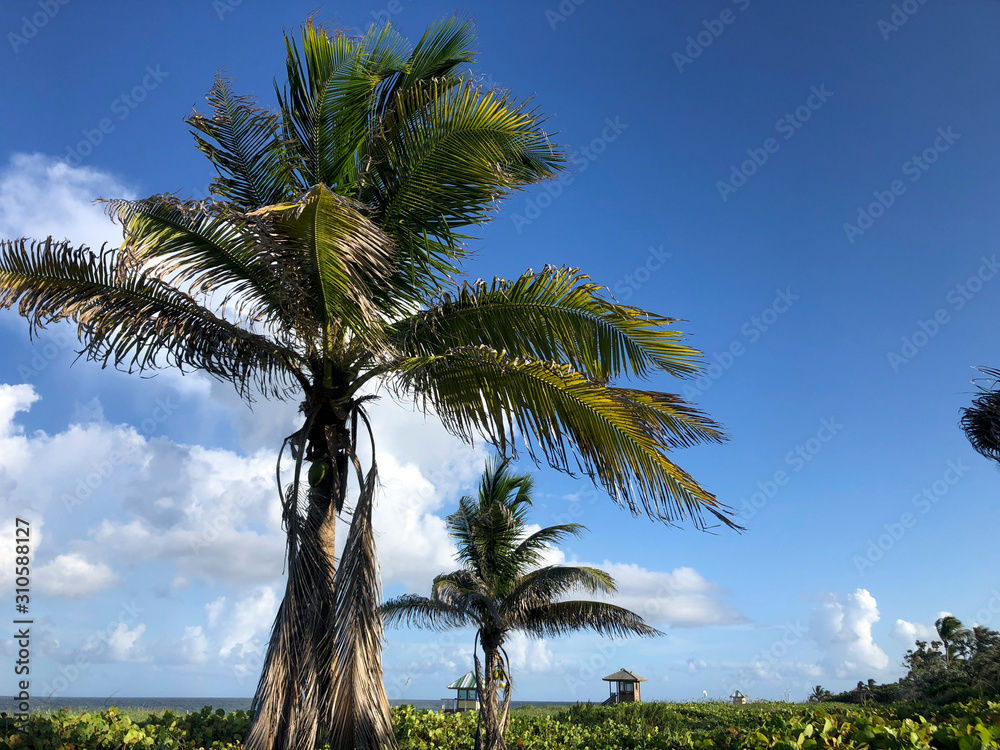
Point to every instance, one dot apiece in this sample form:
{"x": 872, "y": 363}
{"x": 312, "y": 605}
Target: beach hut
{"x": 466, "y": 697}
{"x": 624, "y": 686}
{"x": 738, "y": 698}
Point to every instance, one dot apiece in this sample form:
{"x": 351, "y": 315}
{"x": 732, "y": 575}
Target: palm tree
{"x": 981, "y": 420}
{"x": 819, "y": 694}
{"x": 321, "y": 273}
{"x": 952, "y": 633}
{"x": 500, "y": 590}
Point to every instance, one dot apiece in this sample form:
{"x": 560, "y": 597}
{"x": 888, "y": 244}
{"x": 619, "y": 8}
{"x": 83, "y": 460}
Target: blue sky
{"x": 812, "y": 189}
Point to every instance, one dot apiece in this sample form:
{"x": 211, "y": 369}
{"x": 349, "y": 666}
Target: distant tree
{"x": 500, "y": 590}
{"x": 953, "y": 635}
{"x": 964, "y": 665}
{"x": 820, "y": 694}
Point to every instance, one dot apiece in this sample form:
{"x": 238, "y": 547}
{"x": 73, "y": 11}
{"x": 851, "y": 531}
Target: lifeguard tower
{"x": 466, "y": 698}
{"x": 738, "y": 698}
{"x": 624, "y": 686}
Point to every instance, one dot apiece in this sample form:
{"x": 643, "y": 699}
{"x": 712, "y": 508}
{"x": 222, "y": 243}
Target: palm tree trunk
{"x": 494, "y": 719}
{"x": 295, "y": 679}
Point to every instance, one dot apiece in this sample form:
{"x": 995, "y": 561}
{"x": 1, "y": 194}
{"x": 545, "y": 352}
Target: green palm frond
{"x": 617, "y": 437}
{"x": 243, "y": 142}
{"x": 135, "y": 322}
{"x": 450, "y": 136}
{"x": 345, "y": 255}
{"x": 412, "y": 610}
{"x": 184, "y": 242}
{"x": 445, "y": 45}
{"x": 553, "y": 315}
{"x": 328, "y": 99}
{"x": 561, "y": 618}
{"x": 531, "y": 551}
{"x": 551, "y": 583}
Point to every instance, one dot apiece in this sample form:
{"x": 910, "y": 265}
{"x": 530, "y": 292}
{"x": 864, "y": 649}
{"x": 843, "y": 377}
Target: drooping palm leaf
{"x": 616, "y": 437}
{"x": 561, "y": 618}
{"x": 206, "y": 250}
{"x": 135, "y": 322}
{"x": 554, "y": 315}
{"x": 413, "y": 610}
{"x": 357, "y": 704}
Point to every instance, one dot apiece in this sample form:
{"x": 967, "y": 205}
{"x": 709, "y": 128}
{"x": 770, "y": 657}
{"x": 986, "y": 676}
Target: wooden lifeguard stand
{"x": 738, "y": 698}
{"x": 467, "y": 697}
{"x": 624, "y": 687}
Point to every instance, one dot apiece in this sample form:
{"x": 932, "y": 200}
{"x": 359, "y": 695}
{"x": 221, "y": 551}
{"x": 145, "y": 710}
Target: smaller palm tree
{"x": 500, "y": 590}
{"x": 820, "y": 694}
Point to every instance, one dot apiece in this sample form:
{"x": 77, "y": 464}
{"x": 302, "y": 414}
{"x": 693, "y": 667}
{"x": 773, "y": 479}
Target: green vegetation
{"x": 964, "y": 664}
{"x": 500, "y": 589}
{"x": 693, "y": 726}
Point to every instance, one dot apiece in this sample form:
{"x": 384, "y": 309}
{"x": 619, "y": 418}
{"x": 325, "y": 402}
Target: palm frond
{"x": 553, "y": 315}
{"x": 455, "y": 152}
{"x": 243, "y": 142}
{"x": 346, "y": 256}
{"x": 560, "y": 618}
{"x": 416, "y": 611}
{"x": 328, "y": 99}
{"x": 135, "y": 322}
{"x": 981, "y": 420}
{"x": 619, "y": 438}
{"x": 531, "y": 551}
{"x": 553, "y": 582}
{"x": 207, "y": 250}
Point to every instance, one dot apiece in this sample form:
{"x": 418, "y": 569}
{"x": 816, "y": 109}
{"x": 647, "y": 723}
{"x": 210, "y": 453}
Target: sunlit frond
{"x": 135, "y": 322}
{"x": 555, "y": 315}
{"x": 617, "y": 436}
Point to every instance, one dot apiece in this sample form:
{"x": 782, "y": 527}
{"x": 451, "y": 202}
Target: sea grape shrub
{"x": 974, "y": 725}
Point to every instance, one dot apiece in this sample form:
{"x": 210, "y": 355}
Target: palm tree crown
{"x": 500, "y": 588}
{"x": 319, "y": 271}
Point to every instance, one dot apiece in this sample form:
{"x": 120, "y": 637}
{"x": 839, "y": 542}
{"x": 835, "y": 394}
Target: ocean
{"x": 178, "y": 705}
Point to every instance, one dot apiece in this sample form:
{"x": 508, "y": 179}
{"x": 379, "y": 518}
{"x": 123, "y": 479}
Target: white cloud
{"x": 528, "y": 654}
{"x": 843, "y": 630}
{"x": 73, "y": 577}
{"x": 909, "y": 632}
{"x": 194, "y": 645}
{"x": 42, "y": 196}
{"x": 680, "y": 599}
{"x": 250, "y": 617}
{"x": 123, "y": 644}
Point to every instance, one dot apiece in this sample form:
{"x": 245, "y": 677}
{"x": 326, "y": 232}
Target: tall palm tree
{"x": 500, "y": 589}
{"x": 323, "y": 271}
{"x": 981, "y": 420}
{"x": 952, "y": 633}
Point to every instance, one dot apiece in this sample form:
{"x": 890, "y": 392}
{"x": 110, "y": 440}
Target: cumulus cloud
{"x": 194, "y": 645}
{"x": 123, "y": 644}
{"x": 528, "y": 654}
{"x": 42, "y": 196}
{"x": 682, "y": 598}
{"x": 909, "y": 632}
{"x": 842, "y": 627}
{"x": 248, "y": 618}
{"x": 74, "y": 577}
